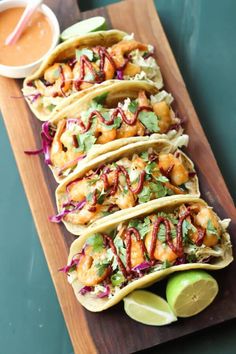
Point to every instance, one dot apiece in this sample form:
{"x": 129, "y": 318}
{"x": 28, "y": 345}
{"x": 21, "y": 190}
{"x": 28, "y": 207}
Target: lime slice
{"x": 92, "y": 24}
{"x": 190, "y": 292}
{"x": 148, "y": 308}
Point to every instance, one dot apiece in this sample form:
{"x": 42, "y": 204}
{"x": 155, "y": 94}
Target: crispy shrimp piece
{"x": 136, "y": 252}
{"x": 126, "y": 131}
{"x": 79, "y": 190}
{"x": 162, "y": 251}
{"x": 84, "y": 216}
{"x": 178, "y": 173}
{"x": 103, "y": 134}
{"x": 119, "y": 50}
{"x": 76, "y": 75}
{"x": 162, "y": 110}
{"x": 142, "y": 99}
{"x": 131, "y": 69}
{"x": 87, "y": 272}
{"x": 62, "y": 148}
{"x": 124, "y": 200}
{"x": 204, "y": 217}
{"x": 60, "y": 76}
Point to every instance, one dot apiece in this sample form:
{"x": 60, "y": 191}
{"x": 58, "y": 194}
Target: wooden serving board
{"x": 112, "y": 331}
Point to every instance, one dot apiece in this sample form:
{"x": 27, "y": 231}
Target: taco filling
{"x": 125, "y": 183}
{"x": 126, "y": 60}
{"x": 72, "y": 138}
{"x": 189, "y": 233}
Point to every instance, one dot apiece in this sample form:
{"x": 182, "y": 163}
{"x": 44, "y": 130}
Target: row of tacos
{"x": 112, "y": 140}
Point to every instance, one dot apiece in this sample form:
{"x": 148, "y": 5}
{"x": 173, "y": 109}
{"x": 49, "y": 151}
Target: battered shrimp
{"x": 76, "y": 75}
{"x": 62, "y": 148}
{"x": 60, "y": 76}
{"x": 204, "y": 217}
{"x": 136, "y": 252}
{"x": 126, "y": 130}
{"x": 178, "y": 173}
{"x": 103, "y": 134}
{"x": 162, "y": 251}
{"x": 79, "y": 190}
{"x": 87, "y": 272}
{"x": 84, "y": 216}
{"x": 142, "y": 99}
{"x": 124, "y": 200}
{"x": 119, "y": 50}
{"x": 162, "y": 110}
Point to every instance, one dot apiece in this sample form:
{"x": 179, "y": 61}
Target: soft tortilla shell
{"x": 160, "y": 145}
{"x": 94, "y": 304}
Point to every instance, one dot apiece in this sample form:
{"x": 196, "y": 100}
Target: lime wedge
{"x": 148, "y": 308}
{"x": 190, "y": 292}
{"x": 92, "y": 24}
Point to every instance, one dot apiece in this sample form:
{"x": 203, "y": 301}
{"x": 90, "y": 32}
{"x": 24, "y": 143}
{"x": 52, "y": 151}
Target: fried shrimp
{"x": 177, "y": 172}
{"x": 119, "y": 50}
{"x": 62, "y": 148}
{"x": 87, "y": 271}
{"x": 59, "y": 76}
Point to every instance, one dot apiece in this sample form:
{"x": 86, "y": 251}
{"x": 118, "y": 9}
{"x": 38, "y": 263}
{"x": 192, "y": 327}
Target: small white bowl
{"x": 22, "y": 71}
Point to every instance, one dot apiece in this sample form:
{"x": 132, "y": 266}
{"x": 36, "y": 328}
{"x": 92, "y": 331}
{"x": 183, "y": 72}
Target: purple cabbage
{"x": 85, "y": 290}
{"x": 120, "y": 74}
{"x": 104, "y": 293}
{"x": 68, "y": 267}
{"x": 57, "y": 218}
{"x": 142, "y": 266}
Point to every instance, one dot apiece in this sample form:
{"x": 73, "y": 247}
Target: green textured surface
{"x": 202, "y": 35}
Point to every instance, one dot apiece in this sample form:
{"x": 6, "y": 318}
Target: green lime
{"x": 190, "y": 292}
{"x": 148, "y": 308}
{"x": 92, "y": 24}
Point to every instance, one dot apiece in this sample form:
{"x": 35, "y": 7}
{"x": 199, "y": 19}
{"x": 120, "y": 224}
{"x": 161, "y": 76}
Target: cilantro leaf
{"x": 88, "y": 52}
{"x": 186, "y": 227}
{"x": 211, "y": 228}
{"x": 101, "y": 267}
{"x": 96, "y": 241}
{"x": 101, "y": 99}
{"x": 142, "y": 227}
{"x": 115, "y": 125}
{"x": 86, "y": 141}
{"x": 158, "y": 189}
{"x": 150, "y": 121}
{"x": 144, "y": 156}
{"x": 150, "y": 167}
{"x": 133, "y": 106}
{"x": 145, "y": 195}
{"x": 51, "y": 107}
{"x": 162, "y": 179}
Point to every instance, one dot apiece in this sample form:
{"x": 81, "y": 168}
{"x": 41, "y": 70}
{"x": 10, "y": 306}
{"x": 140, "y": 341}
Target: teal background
{"x": 202, "y": 35}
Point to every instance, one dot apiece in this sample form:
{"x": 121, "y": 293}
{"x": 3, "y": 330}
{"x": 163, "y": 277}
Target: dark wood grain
{"x": 112, "y": 331}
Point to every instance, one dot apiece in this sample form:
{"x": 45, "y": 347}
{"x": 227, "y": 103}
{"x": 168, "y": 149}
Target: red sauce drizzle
{"x": 85, "y": 62}
{"x": 121, "y": 169}
{"x": 128, "y": 234}
{"x": 201, "y": 234}
{"x": 117, "y": 111}
{"x": 113, "y": 248}
{"x": 179, "y": 245}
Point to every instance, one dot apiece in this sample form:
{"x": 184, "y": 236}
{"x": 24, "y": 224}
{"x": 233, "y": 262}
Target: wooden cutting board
{"x": 112, "y": 331}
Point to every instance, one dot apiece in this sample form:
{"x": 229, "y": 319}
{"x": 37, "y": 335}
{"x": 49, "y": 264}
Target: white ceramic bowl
{"x": 25, "y": 70}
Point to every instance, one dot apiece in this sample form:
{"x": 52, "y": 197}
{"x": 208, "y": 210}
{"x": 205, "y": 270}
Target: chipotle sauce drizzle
{"x": 115, "y": 113}
{"x": 128, "y": 239}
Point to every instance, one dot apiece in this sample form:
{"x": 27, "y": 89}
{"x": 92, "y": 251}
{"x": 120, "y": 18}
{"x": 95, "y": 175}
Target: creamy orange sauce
{"x": 33, "y": 43}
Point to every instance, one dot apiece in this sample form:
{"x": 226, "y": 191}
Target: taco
{"x": 143, "y": 246}
{"x": 76, "y": 65}
{"x": 104, "y": 120}
{"x": 120, "y": 180}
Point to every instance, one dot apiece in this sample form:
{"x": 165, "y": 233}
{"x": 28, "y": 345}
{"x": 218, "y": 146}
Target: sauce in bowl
{"x": 33, "y": 43}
